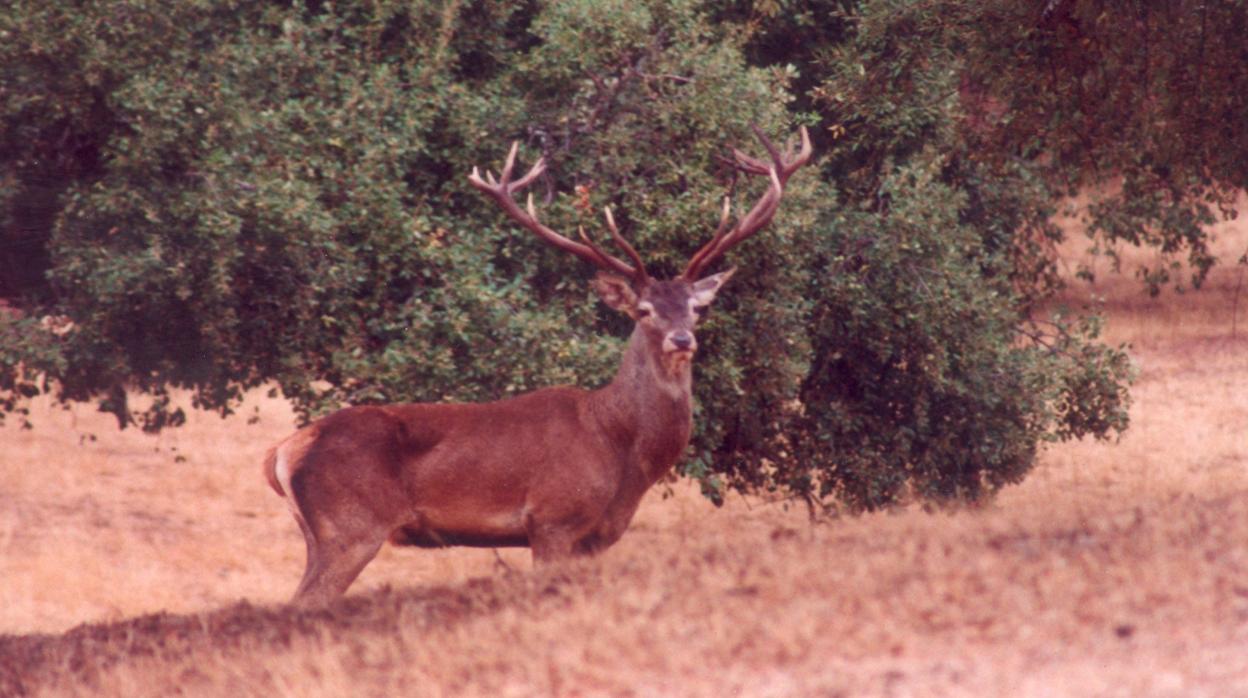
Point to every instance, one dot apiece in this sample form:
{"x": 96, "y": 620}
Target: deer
{"x": 561, "y": 470}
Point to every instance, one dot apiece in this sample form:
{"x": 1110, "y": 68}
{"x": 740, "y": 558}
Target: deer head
{"x": 665, "y": 311}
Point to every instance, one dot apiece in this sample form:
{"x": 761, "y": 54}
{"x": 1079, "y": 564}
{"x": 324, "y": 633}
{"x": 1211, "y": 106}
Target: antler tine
{"x": 725, "y": 224}
{"x": 602, "y": 256}
{"x": 752, "y": 165}
{"x": 534, "y": 172}
{"x": 754, "y": 220}
{"x": 501, "y": 191}
{"x": 624, "y": 245}
{"x": 640, "y": 275}
{"x": 510, "y": 163}
{"x": 764, "y": 209}
{"x": 803, "y": 154}
{"x": 768, "y": 145}
{"x": 781, "y": 167}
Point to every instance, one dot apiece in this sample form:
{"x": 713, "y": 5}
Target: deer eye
{"x": 644, "y": 310}
{"x": 700, "y": 311}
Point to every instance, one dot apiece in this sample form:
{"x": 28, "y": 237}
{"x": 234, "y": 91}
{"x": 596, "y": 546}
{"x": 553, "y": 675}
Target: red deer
{"x": 560, "y": 470}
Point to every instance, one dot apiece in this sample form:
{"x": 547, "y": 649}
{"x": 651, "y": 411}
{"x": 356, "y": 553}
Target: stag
{"x": 560, "y": 470}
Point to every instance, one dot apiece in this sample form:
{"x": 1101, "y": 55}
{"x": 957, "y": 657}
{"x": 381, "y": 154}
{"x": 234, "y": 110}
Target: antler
{"x": 781, "y": 167}
{"x": 501, "y": 191}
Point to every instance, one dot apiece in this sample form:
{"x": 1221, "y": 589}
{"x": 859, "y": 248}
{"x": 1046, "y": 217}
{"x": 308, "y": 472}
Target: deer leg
{"x": 338, "y": 551}
{"x": 609, "y": 530}
{"x": 332, "y": 568}
{"x": 312, "y": 558}
{"x": 551, "y": 541}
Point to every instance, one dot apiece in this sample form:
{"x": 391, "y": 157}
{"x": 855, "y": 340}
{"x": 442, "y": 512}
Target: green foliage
{"x": 919, "y": 383}
{"x": 217, "y": 196}
{"x": 926, "y": 374}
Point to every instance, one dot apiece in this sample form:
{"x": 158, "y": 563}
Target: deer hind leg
{"x": 331, "y": 569}
{"x": 334, "y": 561}
{"x": 340, "y": 543}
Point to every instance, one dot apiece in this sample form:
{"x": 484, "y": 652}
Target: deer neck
{"x": 649, "y": 404}
{"x": 646, "y": 373}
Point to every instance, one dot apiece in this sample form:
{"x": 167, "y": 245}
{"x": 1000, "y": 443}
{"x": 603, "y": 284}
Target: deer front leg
{"x": 610, "y": 528}
{"x": 558, "y": 538}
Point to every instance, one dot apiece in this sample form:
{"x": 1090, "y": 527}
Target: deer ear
{"x": 704, "y": 290}
{"x": 616, "y": 292}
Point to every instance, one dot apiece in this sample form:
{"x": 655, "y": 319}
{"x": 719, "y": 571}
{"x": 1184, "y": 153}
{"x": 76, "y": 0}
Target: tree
{"x": 260, "y": 193}
{"x": 933, "y": 367}
{"x": 1135, "y": 104}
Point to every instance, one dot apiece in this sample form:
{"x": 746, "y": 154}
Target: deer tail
{"x": 270, "y": 469}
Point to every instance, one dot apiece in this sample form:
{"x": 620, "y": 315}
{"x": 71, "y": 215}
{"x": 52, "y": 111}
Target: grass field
{"x": 139, "y": 565}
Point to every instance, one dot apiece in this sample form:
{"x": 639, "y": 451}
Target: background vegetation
{"x": 220, "y": 195}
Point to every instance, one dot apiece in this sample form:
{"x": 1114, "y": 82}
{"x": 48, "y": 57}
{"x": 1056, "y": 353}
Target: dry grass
{"x": 1115, "y": 569}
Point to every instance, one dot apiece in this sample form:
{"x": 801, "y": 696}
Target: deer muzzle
{"x": 680, "y": 341}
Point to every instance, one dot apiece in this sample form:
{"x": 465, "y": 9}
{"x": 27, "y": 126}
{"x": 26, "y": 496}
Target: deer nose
{"x": 682, "y": 340}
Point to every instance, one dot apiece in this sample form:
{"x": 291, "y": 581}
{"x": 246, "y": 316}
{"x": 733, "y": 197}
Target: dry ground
{"x": 1115, "y": 569}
